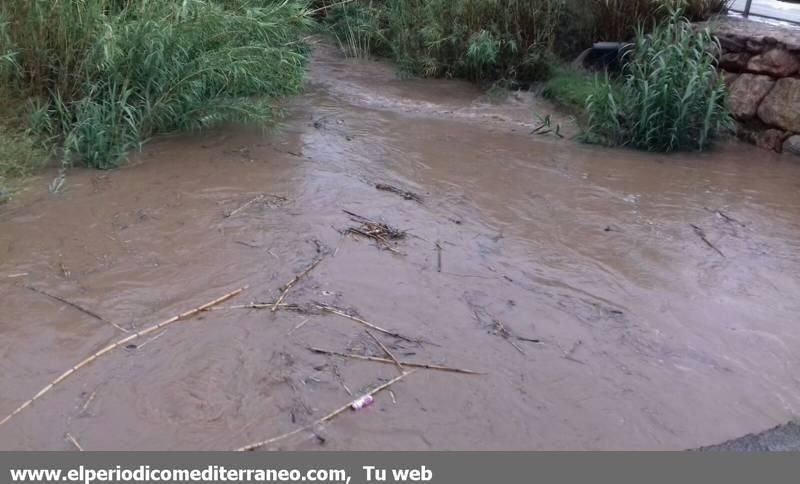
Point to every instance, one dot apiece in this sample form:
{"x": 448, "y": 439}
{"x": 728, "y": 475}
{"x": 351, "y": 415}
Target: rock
{"x": 730, "y": 43}
{"x": 792, "y": 145}
{"x": 771, "y": 139}
{"x": 781, "y": 107}
{"x": 754, "y": 46}
{"x": 746, "y": 93}
{"x": 769, "y": 40}
{"x": 734, "y": 62}
{"x": 775, "y": 62}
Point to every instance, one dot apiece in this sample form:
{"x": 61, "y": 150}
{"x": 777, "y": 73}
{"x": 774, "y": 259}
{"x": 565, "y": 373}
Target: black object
{"x": 610, "y": 56}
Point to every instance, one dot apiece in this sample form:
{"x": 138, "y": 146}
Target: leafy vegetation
{"x": 355, "y": 27}
{"x": 570, "y": 87}
{"x": 671, "y": 97}
{"x": 87, "y": 81}
{"x": 103, "y": 76}
{"x": 20, "y": 157}
{"x": 470, "y": 39}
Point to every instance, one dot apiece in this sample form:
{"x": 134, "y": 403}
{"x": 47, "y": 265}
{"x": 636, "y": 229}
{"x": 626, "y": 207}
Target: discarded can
{"x": 362, "y": 402}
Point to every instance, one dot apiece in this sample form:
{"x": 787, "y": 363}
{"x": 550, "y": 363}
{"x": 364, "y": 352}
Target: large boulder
{"x": 781, "y": 107}
{"x": 746, "y": 93}
{"x": 792, "y": 145}
{"x": 771, "y": 139}
{"x": 775, "y": 62}
{"x": 734, "y": 61}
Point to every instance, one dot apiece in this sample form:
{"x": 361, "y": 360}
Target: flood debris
{"x": 118, "y": 344}
{"x": 267, "y": 199}
{"x": 386, "y": 351}
{"x": 298, "y": 326}
{"x": 69, "y": 438}
{"x": 77, "y": 306}
{"x": 88, "y": 402}
{"x": 409, "y": 364}
{"x": 378, "y": 231}
{"x": 326, "y": 418}
{"x": 497, "y": 328}
{"x": 244, "y": 206}
{"x": 546, "y": 126}
{"x": 407, "y": 195}
{"x": 340, "y": 312}
{"x": 298, "y": 308}
{"x": 247, "y": 244}
{"x": 702, "y": 234}
{"x": 724, "y": 216}
{"x": 65, "y": 272}
{"x": 362, "y": 402}
{"x": 295, "y": 279}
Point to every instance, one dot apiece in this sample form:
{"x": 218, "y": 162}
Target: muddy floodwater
{"x": 614, "y": 299}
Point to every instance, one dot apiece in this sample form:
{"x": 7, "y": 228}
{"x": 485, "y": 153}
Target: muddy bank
{"x": 650, "y": 338}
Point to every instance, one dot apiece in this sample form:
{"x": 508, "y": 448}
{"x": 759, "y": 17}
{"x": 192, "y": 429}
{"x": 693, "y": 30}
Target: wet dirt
{"x": 648, "y": 337}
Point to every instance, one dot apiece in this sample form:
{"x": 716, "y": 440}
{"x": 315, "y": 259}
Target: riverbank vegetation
{"x": 667, "y": 98}
{"x": 97, "y": 78}
{"x": 670, "y": 97}
{"x": 87, "y": 81}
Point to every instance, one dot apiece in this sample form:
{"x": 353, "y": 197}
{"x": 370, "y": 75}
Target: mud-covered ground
{"x": 663, "y": 290}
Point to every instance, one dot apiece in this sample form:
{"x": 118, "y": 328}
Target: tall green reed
{"x": 671, "y": 98}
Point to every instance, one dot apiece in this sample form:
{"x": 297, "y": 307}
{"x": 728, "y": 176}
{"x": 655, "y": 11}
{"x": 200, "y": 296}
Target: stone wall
{"x": 761, "y": 64}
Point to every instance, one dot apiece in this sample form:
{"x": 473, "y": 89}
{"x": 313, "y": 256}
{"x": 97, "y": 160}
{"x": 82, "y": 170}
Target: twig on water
{"x": 152, "y": 339}
{"x": 702, "y": 234}
{"x": 247, "y": 204}
{"x": 343, "y": 314}
{"x": 438, "y": 257}
{"x": 390, "y": 362}
{"x": 724, "y": 216}
{"x": 72, "y": 440}
{"x": 407, "y": 195}
{"x": 64, "y": 271}
{"x": 340, "y": 378}
{"x": 324, "y": 419}
{"x": 252, "y": 305}
{"x": 507, "y": 335}
{"x": 18, "y": 274}
{"x": 78, "y": 307}
{"x": 501, "y": 330}
{"x": 88, "y": 402}
{"x": 300, "y": 325}
{"x": 293, "y": 282}
{"x": 118, "y": 344}
{"x": 377, "y": 231}
{"x": 386, "y": 350}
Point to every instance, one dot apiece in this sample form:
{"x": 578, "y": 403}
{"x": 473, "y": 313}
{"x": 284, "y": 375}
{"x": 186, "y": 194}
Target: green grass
{"x": 569, "y": 87}
{"x": 355, "y": 27}
{"x": 671, "y": 97}
{"x": 104, "y": 76}
{"x": 20, "y": 157}
{"x": 480, "y": 40}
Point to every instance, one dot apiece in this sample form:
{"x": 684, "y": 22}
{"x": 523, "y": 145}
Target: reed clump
{"x": 100, "y": 77}
{"x": 670, "y": 97}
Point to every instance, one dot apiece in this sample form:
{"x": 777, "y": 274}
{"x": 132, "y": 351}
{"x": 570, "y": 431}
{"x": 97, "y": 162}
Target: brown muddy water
{"x": 650, "y": 339}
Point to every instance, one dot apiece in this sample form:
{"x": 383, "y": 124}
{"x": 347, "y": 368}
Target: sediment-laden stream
{"x": 662, "y": 290}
